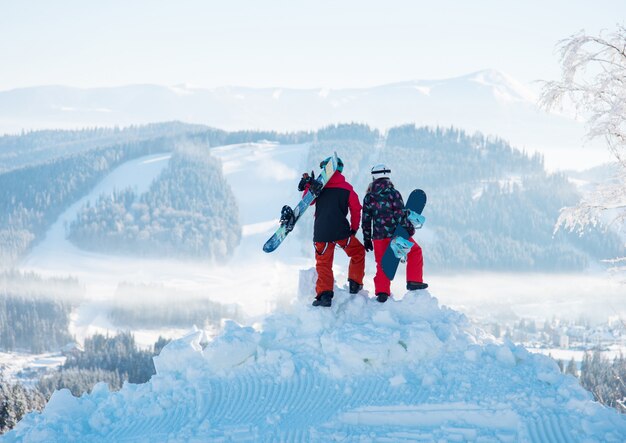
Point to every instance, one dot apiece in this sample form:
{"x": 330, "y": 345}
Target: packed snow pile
{"x": 406, "y": 370}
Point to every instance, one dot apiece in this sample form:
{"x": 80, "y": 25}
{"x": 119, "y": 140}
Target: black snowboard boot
{"x": 414, "y": 285}
{"x": 382, "y": 297}
{"x": 324, "y": 299}
{"x": 354, "y": 286}
{"x": 287, "y": 218}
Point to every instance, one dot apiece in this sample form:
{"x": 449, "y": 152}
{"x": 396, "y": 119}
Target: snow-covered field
{"x": 360, "y": 371}
{"x": 566, "y": 355}
{"x": 27, "y": 368}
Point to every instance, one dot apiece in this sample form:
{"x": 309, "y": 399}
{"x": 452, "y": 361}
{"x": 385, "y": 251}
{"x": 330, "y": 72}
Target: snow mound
{"x": 405, "y": 370}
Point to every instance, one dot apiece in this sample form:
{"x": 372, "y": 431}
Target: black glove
{"x": 303, "y": 182}
{"x": 306, "y": 179}
{"x": 352, "y": 232}
{"x": 314, "y": 186}
{"x": 369, "y": 246}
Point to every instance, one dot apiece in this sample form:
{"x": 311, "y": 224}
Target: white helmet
{"x": 380, "y": 171}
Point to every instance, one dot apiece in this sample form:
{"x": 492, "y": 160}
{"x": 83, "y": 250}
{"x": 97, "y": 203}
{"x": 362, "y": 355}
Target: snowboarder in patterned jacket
{"x": 383, "y": 210}
{"x": 332, "y": 229}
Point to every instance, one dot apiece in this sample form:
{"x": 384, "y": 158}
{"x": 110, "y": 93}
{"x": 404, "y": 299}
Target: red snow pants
{"x": 414, "y": 265}
{"x": 324, "y": 255}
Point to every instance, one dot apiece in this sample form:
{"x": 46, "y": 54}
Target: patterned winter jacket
{"x": 383, "y": 206}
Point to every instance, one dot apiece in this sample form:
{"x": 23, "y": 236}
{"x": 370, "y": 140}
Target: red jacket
{"x": 331, "y": 209}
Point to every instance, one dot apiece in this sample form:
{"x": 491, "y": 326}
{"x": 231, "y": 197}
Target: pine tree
{"x": 571, "y": 368}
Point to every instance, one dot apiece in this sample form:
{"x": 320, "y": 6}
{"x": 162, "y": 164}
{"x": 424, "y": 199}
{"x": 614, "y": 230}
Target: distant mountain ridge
{"x": 487, "y": 101}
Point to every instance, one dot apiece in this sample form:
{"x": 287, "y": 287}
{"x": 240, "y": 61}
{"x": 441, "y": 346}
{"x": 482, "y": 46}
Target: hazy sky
{"x": 321, "y": 43}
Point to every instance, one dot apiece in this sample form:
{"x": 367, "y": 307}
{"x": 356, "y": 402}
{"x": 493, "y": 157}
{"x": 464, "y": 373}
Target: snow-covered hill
{"x": 407, "y": 370}
{"x": 487, "y": 101}
{"x": 56, "y": 249}
{"x": 246, "y": 167}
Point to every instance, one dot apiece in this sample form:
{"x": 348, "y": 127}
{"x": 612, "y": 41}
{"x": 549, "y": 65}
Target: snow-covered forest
{"x": 493, "y": 206}
{"x": 188, "y": 211}
{"x": 477, "y": 185}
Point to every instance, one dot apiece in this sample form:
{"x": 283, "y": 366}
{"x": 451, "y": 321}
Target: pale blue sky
{"x": 320, "y": 43}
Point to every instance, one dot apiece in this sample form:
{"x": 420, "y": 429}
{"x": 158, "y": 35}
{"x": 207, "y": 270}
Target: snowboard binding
{"x": 400, "y": 247}
{"x": 287, "y": 218}
{"x": 417, "y": 220}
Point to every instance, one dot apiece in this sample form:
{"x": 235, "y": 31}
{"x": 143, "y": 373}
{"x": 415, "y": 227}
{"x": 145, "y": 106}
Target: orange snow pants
{"x": 324, "y": 255}
{"x": 414, "y": 265}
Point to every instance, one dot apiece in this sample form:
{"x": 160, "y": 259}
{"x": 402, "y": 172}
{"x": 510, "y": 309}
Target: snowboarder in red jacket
{"x": 332, "y": 229}
{"x": 383, "y": 208}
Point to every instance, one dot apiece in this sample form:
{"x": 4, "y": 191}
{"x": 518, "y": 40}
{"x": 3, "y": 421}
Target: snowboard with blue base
{"x": 400, "y": 245}
{"x": 288, "y": 222}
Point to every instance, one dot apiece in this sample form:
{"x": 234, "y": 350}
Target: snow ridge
{"x": 406, "y": 370}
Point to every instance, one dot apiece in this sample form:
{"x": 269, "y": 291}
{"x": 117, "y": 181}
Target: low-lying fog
{"x": 245, "y": 289}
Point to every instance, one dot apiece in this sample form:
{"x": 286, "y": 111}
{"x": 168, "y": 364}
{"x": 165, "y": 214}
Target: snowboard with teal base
{"x": 289, "y": 216}
{"x": 400, "y": 245}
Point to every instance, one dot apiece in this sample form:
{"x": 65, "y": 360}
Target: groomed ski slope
{"x": 406, "y": 370}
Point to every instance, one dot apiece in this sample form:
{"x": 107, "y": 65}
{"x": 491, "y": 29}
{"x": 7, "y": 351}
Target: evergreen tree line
{"x": 35, "y": 313}
{"x": 489, "y": 206}
{"x": 36, "y": 325}
{"x": 40, "y": 146}
{"x": 32, "y": 198}
{"x": 356, "y": 132}
{"x": 78, "y": 381}
{"x": 118, "y": 354}
{"x": 17, "y": 401}
{"x": 35, "y": 147}
{"x": 112, "y": 360}
{"x": 189, "y": 211}
{"x": 351, "y": 132}
{"x": 216, "y": 137}
{"x": 604, "y": 378}
{"x": 131, "y": 309}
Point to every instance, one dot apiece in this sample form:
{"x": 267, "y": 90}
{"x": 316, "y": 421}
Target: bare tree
{"x": 593, "y": 80}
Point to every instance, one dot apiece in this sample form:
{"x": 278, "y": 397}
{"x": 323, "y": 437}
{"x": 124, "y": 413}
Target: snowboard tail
{"x": 400, "y": 244}
{"x": 290, "y": 217}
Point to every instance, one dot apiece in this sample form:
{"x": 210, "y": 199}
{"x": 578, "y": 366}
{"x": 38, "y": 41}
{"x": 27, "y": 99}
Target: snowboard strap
{"x": 417, "y": 220}
{"x": 400, "y": 247}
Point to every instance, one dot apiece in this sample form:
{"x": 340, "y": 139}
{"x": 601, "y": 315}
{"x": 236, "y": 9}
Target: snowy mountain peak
{"x": 505, "y": 87}
{"x": 407, "y": 370}
{"x": 182, "y": 89}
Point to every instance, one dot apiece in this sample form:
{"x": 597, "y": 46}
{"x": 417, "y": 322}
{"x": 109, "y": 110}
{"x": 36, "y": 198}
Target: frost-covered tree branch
{"x": 593, "y": 80}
